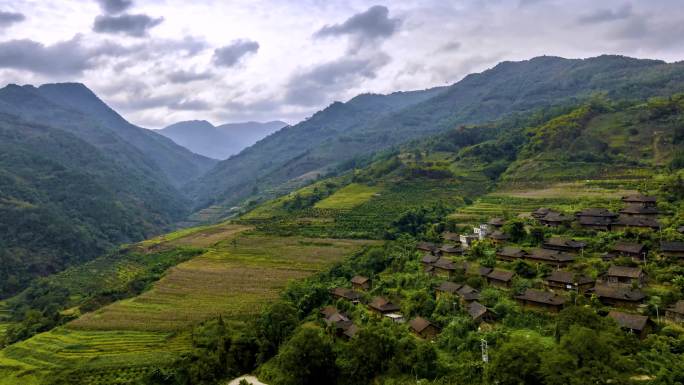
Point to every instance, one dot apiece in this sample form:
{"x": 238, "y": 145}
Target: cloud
{"x": 9, "y": 18}
{"x": 114, "y": 6}
{"x": 182, "y": 76}
{"x": 451, "y": 46}
{"x": 317, "y": 84}
{"x": 231, "y": 54}
{"x": 131, "y": 25}
{"x": 371, "y": 25}
{"x": 190, "y": 105}
{"x": 606, "y": 15}
{"x": 63, "y": 58}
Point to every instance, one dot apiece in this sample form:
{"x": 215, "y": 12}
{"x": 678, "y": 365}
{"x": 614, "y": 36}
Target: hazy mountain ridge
{"x": 345, "y": 131}
{"x": 219, "y": 142}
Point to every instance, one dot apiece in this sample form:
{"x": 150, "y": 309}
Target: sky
{"x": 162, "y": 61}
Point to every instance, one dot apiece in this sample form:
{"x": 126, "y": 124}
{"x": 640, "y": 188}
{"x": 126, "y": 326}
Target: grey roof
{"x": 501, "y": 275}
{"x": 346, "y": 293}
{"x": 550, "y": 255}
{"x": 429, "y": 259}
{"x": 449, "y": 287}
{"x": 625, "y": 271}
{"x": 540, "y": 296}
{"x": 476, "y": 310}
{"x": 419, "y": 324}
{"x": 511, "y": 252}
{"x": 639, "y": 198}
{"x": 564, "y": 242}
{"x": 383, "y": 305}
{"x": 624, "y": 294}
{"x": 678, "y": 307}
{"x": 624, "y": 220}
{"x": 568, "y": 277}
{"x": 359, "y": 279}
{"x": 629, "y": 247}
{"x": 629, "y": 321}
{"x": 597, "y": 212}
{"x": 639, "y": 210}
{"x": 672, "y": 246}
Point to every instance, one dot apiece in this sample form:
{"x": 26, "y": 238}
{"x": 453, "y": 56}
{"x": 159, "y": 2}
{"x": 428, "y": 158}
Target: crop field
{"x": 240, "y": 272}
{"x": 348, "y": 197}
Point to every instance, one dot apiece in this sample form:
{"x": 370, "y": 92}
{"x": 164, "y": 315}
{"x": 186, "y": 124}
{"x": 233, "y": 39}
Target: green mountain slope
{"x": 342, "y": 133}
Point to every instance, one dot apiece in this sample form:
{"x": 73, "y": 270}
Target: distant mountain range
{"x": 219, "y": 142}
{"x": 344, "y": 134}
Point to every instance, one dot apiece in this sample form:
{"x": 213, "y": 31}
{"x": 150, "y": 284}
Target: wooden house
{"x": 672, "y": 249}
{"x": 554, "y": 219}
{"x": 382, "y": 306}
{"x": 496, "y": 223}
{"x": 540, "y": 299}
{"x": 510, "y": 254}
{"x": 641, "y": 200}
{"x": 499, "y": 237}
{"x": 479, "y": 313}
{"x": 467, "y": 294}
{"x": 636, "y": 251}
{"x": 633, "y": 323}
{"x": 500, "y": 278}
{"x": 625, "y": 222}
{"x": 447, "y": 287}
{"x": 451, "y": 237}
{"x": 351, "y": 331}
{"x": 451, "y": 250}
{"x": 566, "y": 280}
{"x": 483, "y": 271}
{"x": 555, "y": 258}
{"x": 347, "y": 294}
{"x": 563, "y": 244}
{"x": 618, "y": 296}
{"x": 596, "y": 223}
{"x": 594, "y": 212}
{"x": 359, "y": 282}
{"x": 424, "y": 328}
{"x": 676, "y": 312}
{"x": 443, "y": 267}
{"x": 625, "y": 276}
{"x": 639, "y": 211}
{"x": 427, "y": 246}
{"x": 540, "y": 212}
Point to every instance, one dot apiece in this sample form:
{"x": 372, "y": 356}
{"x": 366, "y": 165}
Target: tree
{"x": 517, "y": 362}
{"x": 274, "y": 326}
{"x": 307, "y": 359}
{"x": 515, "y": 230}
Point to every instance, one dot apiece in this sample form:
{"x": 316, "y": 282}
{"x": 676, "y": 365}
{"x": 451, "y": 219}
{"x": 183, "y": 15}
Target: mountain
{"x": 219, "y": 142}
{"x": 76, "y": 179}
{"x": 336, "y": 137}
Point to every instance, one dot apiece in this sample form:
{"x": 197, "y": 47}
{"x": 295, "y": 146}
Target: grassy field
{"x": 348, "y": 197}
{"x": 240, "y": 272}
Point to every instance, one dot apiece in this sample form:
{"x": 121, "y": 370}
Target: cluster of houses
{"x": 619, "y": 286}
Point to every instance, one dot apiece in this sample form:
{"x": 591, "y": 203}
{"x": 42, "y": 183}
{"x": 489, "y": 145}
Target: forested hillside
{"x": 330, "y": 139}
{"x": 78, "y": 180}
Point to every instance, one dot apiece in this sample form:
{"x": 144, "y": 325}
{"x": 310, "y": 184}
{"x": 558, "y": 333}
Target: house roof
{"x": 624, "y": 271}
{"x": 672, "y": 246}
{"x": 511, "y": 252}
{"x": 351, "y": 331}
{"x": 596, "y": 212}
{"x": 568, "y": 277}
{"x": 346, "y": 293}
{"x": 444, "y": 264}
{"x": 383, "y": 305}
{"x": 468, "y": 293}
{"x": 629, "y": 247}
{"x": 550, "y": 255}
{"x": 500, "y": 275}
{"x": 629, "y": 321}
{"x": 429, "y": 259}
{"x": 419, "y": 324}
{"x": 483, "y": 271}
{"x": 449, "y": 287}
{"x": 476, "y": 310}
{"x": 564, "y": 242}
{"x": 678, "y": 307}
{"x": 636, "y": 209}
{"x": 428, "y": 246}
{"x": 624, "y": 294}
{"x": 540, "y": 296}
{"x": 556, "y": 217}
{"x": 639, "y": 198}
{"x": 451, "y": 249}
{"x": 541, "y": 212}
{"x": 624, "y": 220}
{"x": 359, "y": 279}
{"x": 595, "y": 221}
{"x": 499, "y": 236}
{"x": 327, "y": 311}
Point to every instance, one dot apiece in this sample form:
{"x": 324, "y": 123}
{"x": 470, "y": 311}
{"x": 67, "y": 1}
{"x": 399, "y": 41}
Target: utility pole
{"x": 485, "y": 350}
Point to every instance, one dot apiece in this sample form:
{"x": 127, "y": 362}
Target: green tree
{"x": 307, "y": 359}
{"x": 517, "y": 362}
{"x": 274, "y": 326}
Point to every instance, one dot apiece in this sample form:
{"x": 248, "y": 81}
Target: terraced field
{"x": 237, "y": 276}
{"x": 348, "y": 197}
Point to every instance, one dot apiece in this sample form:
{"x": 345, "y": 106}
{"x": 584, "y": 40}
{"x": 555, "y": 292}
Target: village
{"x": 620, "y": 290}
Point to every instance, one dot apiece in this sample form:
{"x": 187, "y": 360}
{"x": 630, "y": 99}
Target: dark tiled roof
{"x": 639, "y": 210}
{"x": 500, "y": 275}
{"x": 568, "y": 277}
{"x": 564, "y": 242}
{"x": 427, "y": 246}
{"x": 511, "y": 252}
{"x": 482, "y": 271}
{"x": 541, "y": 212}
{"x": 629, "y": 321}
{"x": 499, "y": 236}
{"x": 639, "y": 198}
{"x": 624, "y": 271}
{"x": 624, "y": 294}
{"x": 346, "y": 293}
{"x": 383, "y": 305}
{"x": 544, "y": 297}
{"x": 476, "y": 310}
{"x": 672, "y": 246}
{"x": 595, "y": 221}
{"x": 468, "y": 293}
{"x": 596, "y": 212}
{"x": 450, "y": 236}
{"x": 429, "y": 259}
{"x": 419, "y": 324}
{"x": 445, "y": 264}
{"x": 328, "y": 311}
{"x": 629, "y": 247}
{"x": 351, "y": 331}
{"x": 624, "y": 220}
{"x": 451, "y": 249}
{"x": 556, "y": 217}
{"x": 496, "y": 222}
{"x": 359, "y": 279}
{"x": 550, "y": 255}
{"x": 449, "y": 287}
